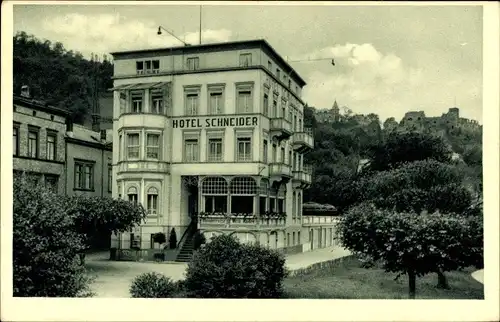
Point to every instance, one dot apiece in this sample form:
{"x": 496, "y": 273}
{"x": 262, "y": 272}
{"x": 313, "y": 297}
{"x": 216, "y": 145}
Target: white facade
{"x": 215, "y": 130}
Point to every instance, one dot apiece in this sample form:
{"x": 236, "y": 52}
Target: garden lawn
{"x": 348, "y": 280}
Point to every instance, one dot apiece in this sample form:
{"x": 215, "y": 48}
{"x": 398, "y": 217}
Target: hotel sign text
{"x": 215, "y": 122}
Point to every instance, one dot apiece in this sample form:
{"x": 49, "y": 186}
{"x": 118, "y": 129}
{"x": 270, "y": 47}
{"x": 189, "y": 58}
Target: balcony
{"x": 280, "y": 128}
{"x": 241, "y": 221}
{"x": 143, "y": 166}
{"x": 303, "y": 141}
{"x": 302, "y": 178}
{"x": 280, "y": 170}
{"x": 318, "y": 220}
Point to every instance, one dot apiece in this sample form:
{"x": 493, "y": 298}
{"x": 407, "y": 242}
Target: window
{"x": 216, "y": 103}
{"x": 289, "y": 83}
{"x": 298, "y": 236}
{"x": 295, "y": 123}
{"x": 245, "y": 60}
{"x": 282, "y": 155}
{"x": 193, "y": 63}
{"x": 51, "y": 146}
{"x": 33, "y": 144}
{"x": 139, "y": 66}
{"x": 157, "y": 102}
{"x": 290, "y": 114}
{"x": 215, "y": 190}
{"x": 243, "y": 191}
{"x": 51, "y": 182}
{"x": 294, "y": 241}
{"x": 192, "y": 104}
{"x": 133, "y": 146}
{"x": 110, "y": 177}
{"x": 15, "y": 140}
{"x": 290, "y": 158}
{"x": 244, "y": 149}
{"x": 244, "y": 103}
{"x": 156, "y": 67}
{"x": 152, "y": 201}
{"x": 266, "y": 104}
{"x": 274, "y": 153}
{"x": 275, "y": 108}
{"x": 132, "y": 195}
{"x": 84, "y": 175}
{"x": 278, "y": 73}
{"x": 215, "y": 149}
{"x": 191, "y": 150}
{"x": 300, "y": 125}
{"x": 120, "y": 147}
{"x": 136, "y": 102}
{"x": 265, "y": 151}
{"x": 153, "y": 146}
{"x": 269, "y": 65}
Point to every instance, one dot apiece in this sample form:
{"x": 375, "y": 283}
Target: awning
{"x": 136, "y": 86}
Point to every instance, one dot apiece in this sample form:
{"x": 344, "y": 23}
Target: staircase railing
{"x": 191, "y": 228}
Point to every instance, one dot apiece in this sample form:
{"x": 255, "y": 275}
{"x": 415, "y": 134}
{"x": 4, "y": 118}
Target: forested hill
{"x": 58, "y": 76}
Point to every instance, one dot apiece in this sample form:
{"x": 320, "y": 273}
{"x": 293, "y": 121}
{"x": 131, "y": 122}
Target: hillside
{"x": 59, "y": 77}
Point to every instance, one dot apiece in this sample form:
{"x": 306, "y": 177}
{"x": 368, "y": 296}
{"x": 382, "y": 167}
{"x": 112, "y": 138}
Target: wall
{"x": 22, "y": 117}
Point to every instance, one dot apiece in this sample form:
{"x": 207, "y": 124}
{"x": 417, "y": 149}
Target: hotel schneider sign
{"x": 206, "y": 122}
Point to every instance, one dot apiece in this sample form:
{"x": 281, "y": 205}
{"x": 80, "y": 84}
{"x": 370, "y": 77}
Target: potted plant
{"x": 159, "y": 238}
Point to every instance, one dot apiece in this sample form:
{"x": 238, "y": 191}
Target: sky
{"x": 388, "y": 59}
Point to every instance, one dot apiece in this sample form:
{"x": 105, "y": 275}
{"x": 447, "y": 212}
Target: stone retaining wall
{"x": 321, "y": 265}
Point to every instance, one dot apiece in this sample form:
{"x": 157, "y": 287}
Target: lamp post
{"x": 172, "y": 34}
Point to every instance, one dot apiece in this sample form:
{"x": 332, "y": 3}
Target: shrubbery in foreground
{"x": 224, "y": 268}
{"x": 45, "y": 245}
{"x": 153, "y": 285}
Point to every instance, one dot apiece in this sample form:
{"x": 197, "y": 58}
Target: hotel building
{"x": 211, "y": 137}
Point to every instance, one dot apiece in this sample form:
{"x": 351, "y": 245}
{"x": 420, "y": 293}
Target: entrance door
{"x": 192, "y": 201}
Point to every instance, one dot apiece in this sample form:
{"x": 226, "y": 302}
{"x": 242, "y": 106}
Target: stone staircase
{"x": 186, "y": 253}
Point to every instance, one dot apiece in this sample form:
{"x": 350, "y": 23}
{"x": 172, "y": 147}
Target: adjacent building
{"x": 66, "y": 157}
{"x": 211, "y": 137}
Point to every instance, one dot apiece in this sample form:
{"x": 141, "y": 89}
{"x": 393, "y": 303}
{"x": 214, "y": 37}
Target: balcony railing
{"x": 318, "y": 220}
{"x": 302, "y": 176}
{"x": 143, "y": 165}
{"x": 281, "y": 125}
{"x": 280, "y": 169}
{"x": 242, "y": 220}
{"x": 303, "y": 139}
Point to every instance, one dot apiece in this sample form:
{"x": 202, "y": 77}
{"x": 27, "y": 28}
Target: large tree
{"x": 411, "y": 244}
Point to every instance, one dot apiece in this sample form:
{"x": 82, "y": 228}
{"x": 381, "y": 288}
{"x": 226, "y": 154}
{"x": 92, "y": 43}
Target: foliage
{"x": 224, "y": 268}
{"x": 173, "y": 239}
{"x": 422, "y": 185}
{"x": 199, "y": 239}
{"x": 45, "y": 245}
{"x": 153, "y": 285}
{"x": 399, "y": 148}
{"x": 409, "y": 244}
{"x": 103, "y": 214}
{"x": 59, "y": 77}
{"x": 159, "y": 238}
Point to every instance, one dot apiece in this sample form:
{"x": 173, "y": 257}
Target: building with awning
{"x": 210, "y": 138}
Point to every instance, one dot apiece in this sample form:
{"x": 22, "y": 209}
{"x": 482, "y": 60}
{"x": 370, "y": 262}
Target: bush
{"x": 199, "y": 239}
{"x": 227, "y": 269}
{"x": 173, "y": 239}
{"x": 152, "y": 285}
{"x": 45, "y": 245}
{"x": 159, "y": 238}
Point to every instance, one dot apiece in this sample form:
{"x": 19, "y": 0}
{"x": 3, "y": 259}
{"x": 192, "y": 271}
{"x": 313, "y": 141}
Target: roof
{"x": 81, "y": 133}
{"x": 194, "y": 48}
{"x": 39, "y": 105}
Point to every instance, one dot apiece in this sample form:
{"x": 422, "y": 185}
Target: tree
{"x": 45, "y": 245}
{"x": 404, "y": 147}
{"x": 406, "y": 243}
{"x": 94, "y": 216}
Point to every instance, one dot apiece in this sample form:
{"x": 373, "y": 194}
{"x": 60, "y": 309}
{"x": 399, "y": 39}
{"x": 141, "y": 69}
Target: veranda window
{"x": 215, "y": 191}
{"x": 243, "y": 191}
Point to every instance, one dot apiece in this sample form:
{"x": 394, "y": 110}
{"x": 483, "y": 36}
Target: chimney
{"x": 69, "y": 128}
{"x": 103, "y": 135}
{"x": 25, "y": 91}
